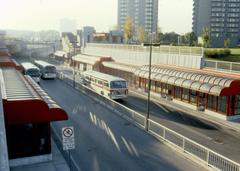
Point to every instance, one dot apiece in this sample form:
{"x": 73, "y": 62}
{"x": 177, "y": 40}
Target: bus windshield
{"x": 50, "y": 69}
{"x": 33, "y": 72}
{"x": 118, "y": 84}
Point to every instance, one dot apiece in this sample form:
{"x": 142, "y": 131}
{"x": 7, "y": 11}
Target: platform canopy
{"x": 25, "y": 102}
{"x": 197, "y": 80}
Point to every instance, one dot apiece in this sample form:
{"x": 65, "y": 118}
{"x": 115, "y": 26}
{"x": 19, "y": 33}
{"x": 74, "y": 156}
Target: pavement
{"x": 57, "y": 163}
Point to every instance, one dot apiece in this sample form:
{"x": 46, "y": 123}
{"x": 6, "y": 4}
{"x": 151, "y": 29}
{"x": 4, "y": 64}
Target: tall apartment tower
{"x": 222, "y": 17}
{"x": 143, "y": 12}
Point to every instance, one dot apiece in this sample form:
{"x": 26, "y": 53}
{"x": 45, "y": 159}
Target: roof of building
{"x": 121, "y": 66}
{"x": 89, "y": 59}
{"x": 198, "y": 80}
{"x": 25, "y": 102}
{"x": 61, "y": 54}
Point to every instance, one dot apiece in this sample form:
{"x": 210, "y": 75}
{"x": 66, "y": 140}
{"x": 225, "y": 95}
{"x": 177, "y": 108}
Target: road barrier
{"x": 199, "y": 152}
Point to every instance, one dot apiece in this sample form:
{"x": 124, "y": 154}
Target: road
{"x": 104, "y": 141}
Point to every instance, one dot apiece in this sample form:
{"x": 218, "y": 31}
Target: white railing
{"x": 232, "y": 67}
{"x": 176, "y": 140}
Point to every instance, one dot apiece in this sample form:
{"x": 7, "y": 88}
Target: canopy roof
{"x": 25, "y": 102}
{"x": 194, "y": 80}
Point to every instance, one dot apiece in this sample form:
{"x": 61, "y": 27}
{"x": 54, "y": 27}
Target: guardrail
{"x": 4, "y": 161}
{"x": 199, "y": 152}
{"x": 233, "y": 67}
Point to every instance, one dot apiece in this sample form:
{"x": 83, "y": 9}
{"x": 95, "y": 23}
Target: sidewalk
{"x": 191, "y": 110}
{"x": 57, "y": 164}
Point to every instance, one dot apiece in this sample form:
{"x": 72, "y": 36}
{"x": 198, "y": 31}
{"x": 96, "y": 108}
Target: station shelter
{"x": 214, "y": 91}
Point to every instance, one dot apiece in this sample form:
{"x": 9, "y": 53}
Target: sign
{"x": 68, "y": 140}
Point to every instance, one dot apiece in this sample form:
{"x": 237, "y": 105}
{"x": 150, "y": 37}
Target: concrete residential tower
{"x": 143, "y": 12}
{"x": 222, "y": 17}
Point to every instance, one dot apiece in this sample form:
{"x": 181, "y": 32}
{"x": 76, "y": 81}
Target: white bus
{"x": 31, "y": 70}
{"x": 106, "y": 85}
{"x": 47, "y": 70}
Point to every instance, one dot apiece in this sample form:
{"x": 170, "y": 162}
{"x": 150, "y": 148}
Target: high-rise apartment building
{"x": 222, "y": 17}
{"x": 144, "y": 13}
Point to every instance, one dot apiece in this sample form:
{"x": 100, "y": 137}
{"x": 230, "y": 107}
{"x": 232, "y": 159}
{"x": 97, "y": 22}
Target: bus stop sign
{"x": 68, "y": 140}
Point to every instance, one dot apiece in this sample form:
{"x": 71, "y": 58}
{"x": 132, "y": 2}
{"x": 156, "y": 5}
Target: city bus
{"x": 48, "y": 71}
{"x": 31, "y": 70}
{"x": 107, "y": 85}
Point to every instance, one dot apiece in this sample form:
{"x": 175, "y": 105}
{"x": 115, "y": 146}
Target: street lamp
{"x": 74, "y": 46}
{"x": 151, "y": 44}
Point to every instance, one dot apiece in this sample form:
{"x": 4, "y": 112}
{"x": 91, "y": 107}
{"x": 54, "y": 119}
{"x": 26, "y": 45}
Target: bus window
{"x": 118, "y": 84}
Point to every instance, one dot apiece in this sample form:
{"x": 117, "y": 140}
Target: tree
{"x": 206, "y": 37}
{"x": 128, "y": 29}
{"x": 190, "y": 38}
{"x": 226, "y": 43}
{"x": 141, "y": 34}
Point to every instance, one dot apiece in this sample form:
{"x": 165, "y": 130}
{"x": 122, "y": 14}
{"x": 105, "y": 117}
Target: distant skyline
{"x": 174, "y": 15}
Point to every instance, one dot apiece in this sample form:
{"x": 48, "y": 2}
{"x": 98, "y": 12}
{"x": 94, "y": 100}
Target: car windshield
{"x": 33, "y": 72}
{"x": 118, "y": 84}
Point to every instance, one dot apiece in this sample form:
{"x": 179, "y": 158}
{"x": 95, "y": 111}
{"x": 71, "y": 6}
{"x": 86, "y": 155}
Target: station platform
{"x": 58, "y": 163}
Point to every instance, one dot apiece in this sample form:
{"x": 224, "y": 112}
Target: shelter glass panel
{"x": 212, "y": 101}
{"x": 222, "y": 104}
{"x": 237, "y": 105}
{"x": 185, "y": 94}
{"x": 193, "y": 97}
{"x": 178, "y": 92}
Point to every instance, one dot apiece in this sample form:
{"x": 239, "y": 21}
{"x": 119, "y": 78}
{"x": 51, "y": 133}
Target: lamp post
{"x": 74, "y": 45}
{"x": 151, "y": 44}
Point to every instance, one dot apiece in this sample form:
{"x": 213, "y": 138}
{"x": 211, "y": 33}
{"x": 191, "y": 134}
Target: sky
{"x": 174, "y": 15}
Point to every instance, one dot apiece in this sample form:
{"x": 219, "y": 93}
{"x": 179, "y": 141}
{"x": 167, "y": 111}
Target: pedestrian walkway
{"x": 191, "y": 110}
{"x": 58, "y": 163}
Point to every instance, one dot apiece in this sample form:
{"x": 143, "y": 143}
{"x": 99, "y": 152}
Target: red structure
{"x": 28, "y": 111}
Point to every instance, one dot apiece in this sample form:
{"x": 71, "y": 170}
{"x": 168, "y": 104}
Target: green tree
{"x": 128, "y": 29}
{"x": 190, "y": 38}
{"x": 206, "y": 37}
{"x": 227, "y": 43}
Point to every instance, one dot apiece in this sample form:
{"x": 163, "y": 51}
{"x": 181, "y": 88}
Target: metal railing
{"x": 4, "y": 161}
{"x": 232, "y": 67}
{"x": 198, "y": 151}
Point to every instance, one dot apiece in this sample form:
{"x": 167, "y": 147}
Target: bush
{"x": 217, "y": 53}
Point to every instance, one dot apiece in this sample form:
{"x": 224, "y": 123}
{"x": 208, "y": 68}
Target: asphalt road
{"x": 215, "y": 137}
{"x": 104, "y": 141}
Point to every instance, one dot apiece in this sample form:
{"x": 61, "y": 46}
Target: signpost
{"x": 68, "y": 141}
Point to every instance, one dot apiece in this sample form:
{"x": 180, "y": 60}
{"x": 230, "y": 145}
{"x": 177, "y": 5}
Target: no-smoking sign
{"x": 68, "y": 138}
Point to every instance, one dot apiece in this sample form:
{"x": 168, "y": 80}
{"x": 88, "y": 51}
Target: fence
{"x": 207, "y": 156}
{"x": 233, "y": 67}
{"x": 4, "y": 161}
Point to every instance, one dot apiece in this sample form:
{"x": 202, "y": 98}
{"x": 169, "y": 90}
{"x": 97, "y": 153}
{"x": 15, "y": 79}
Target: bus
{"x": 31, "y": 70}
{"x": 48, "y": 71}
{"x": 107, "y": 85}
